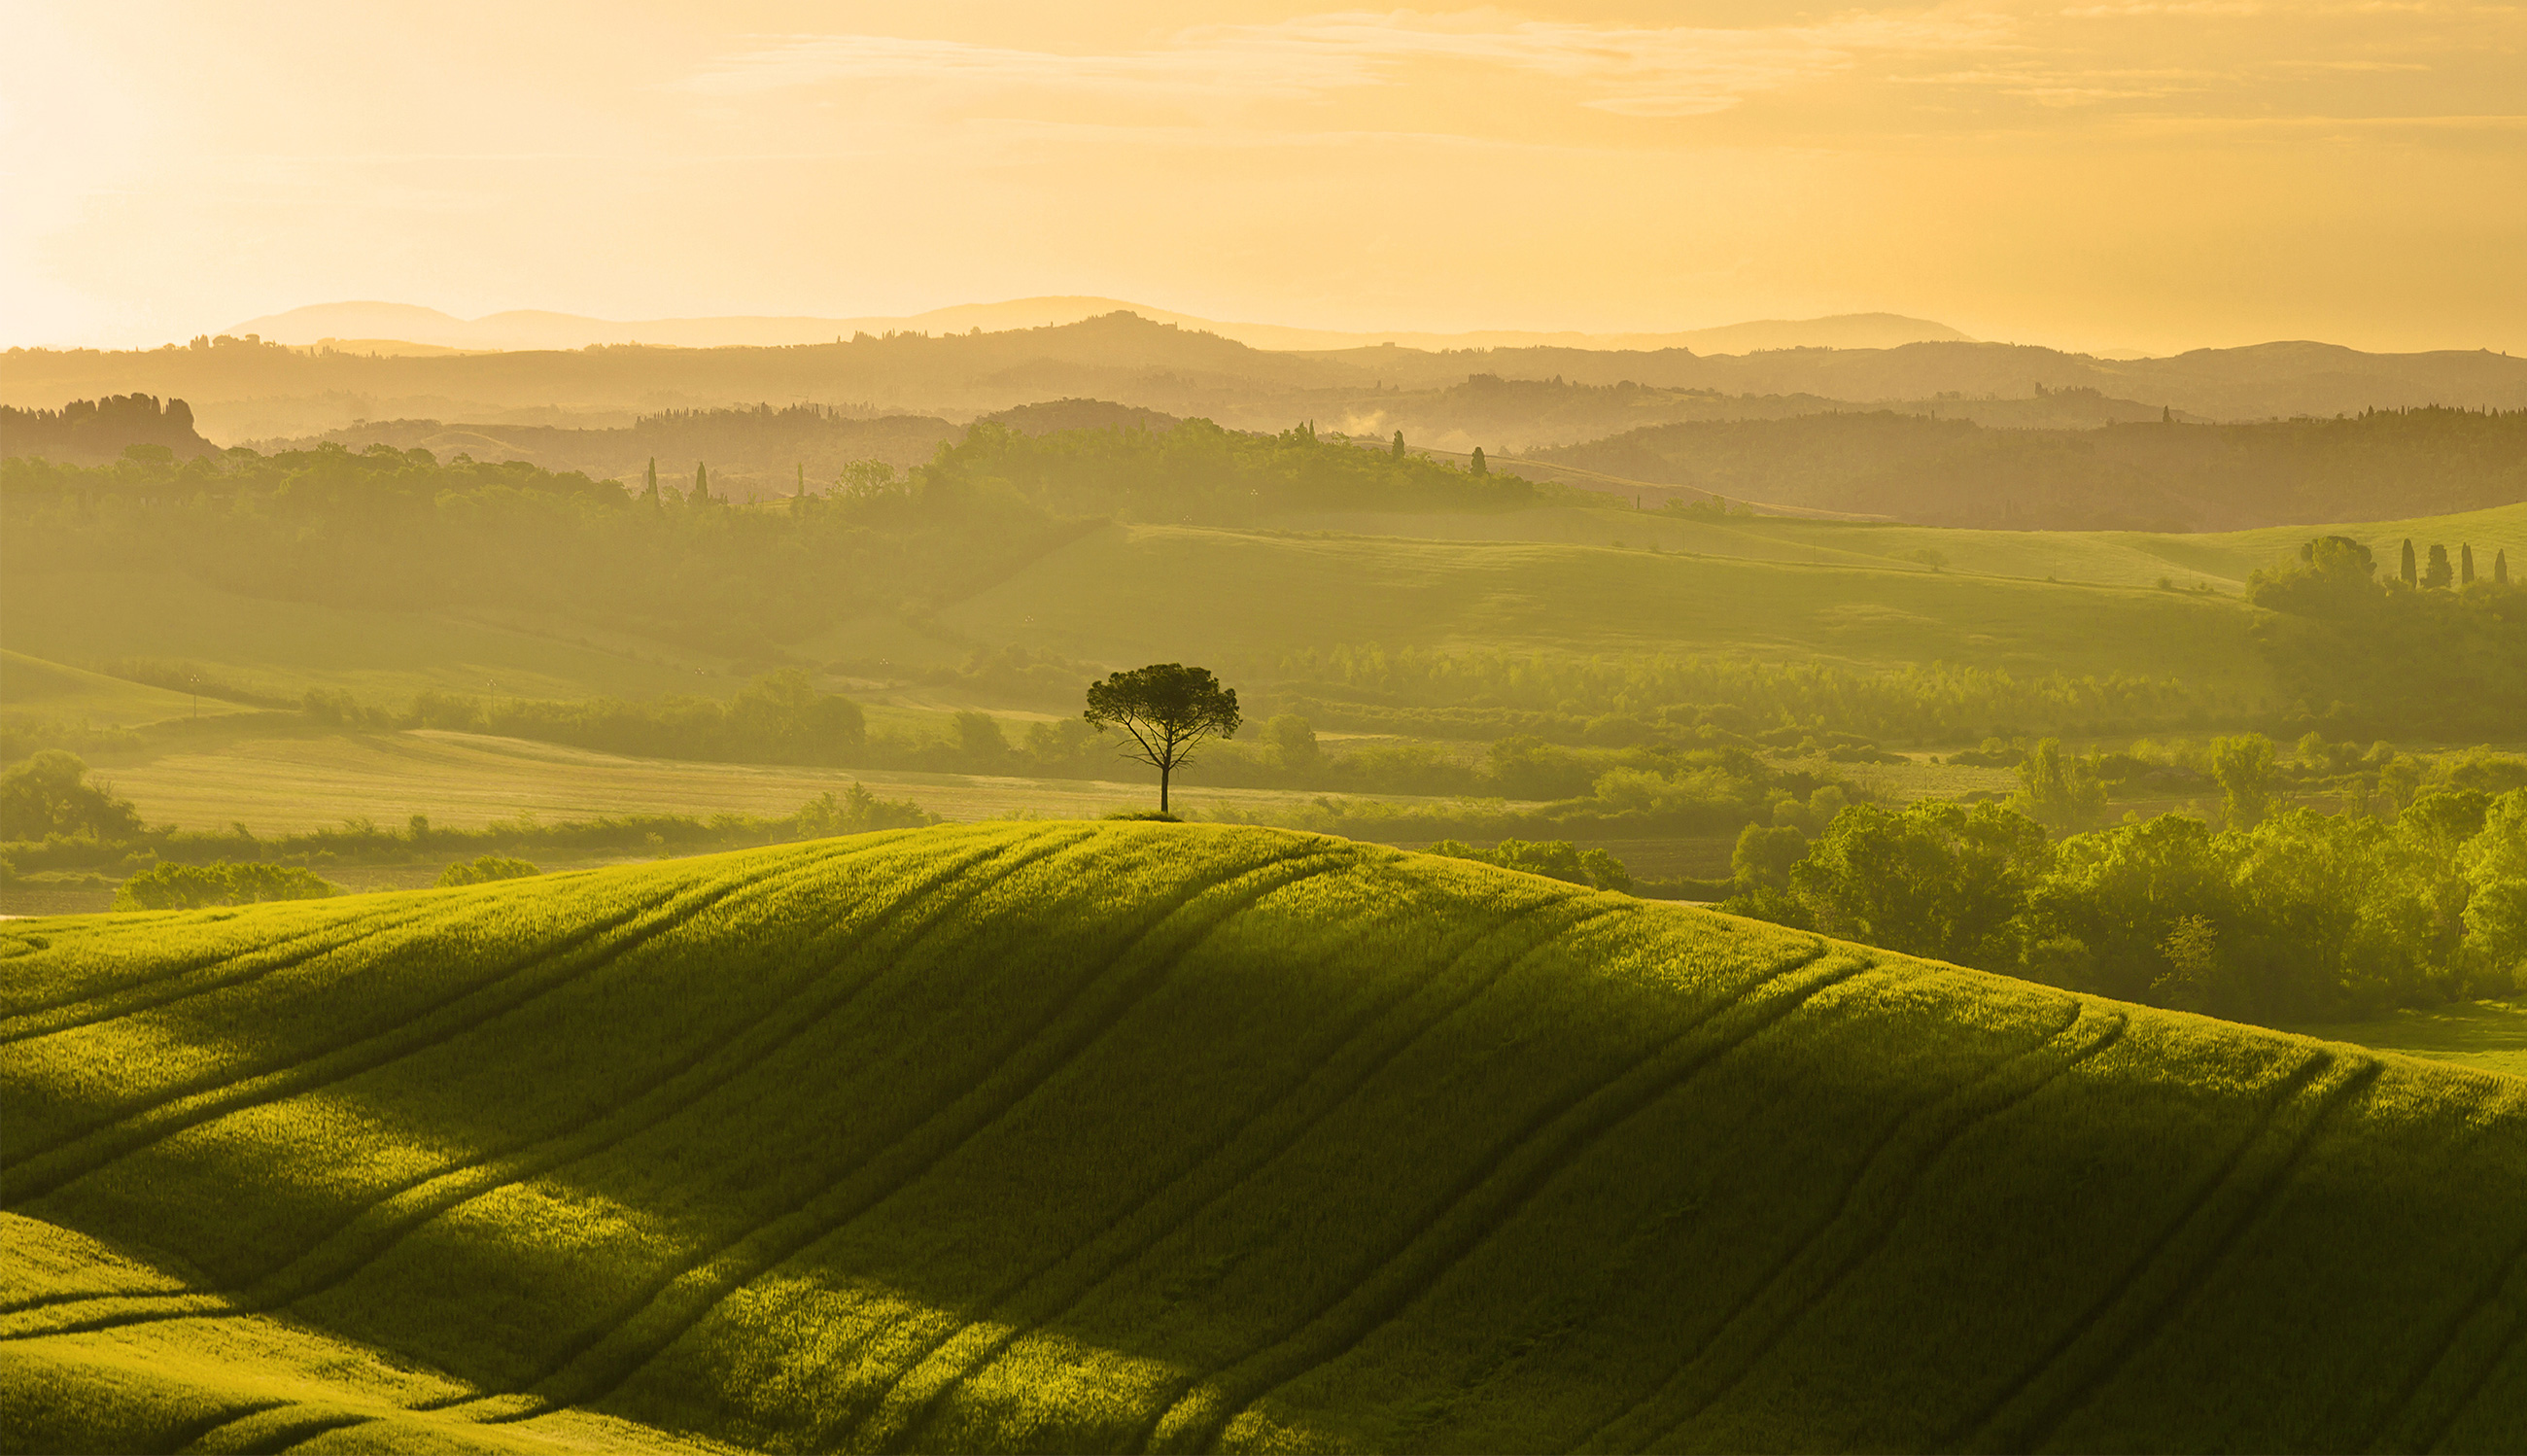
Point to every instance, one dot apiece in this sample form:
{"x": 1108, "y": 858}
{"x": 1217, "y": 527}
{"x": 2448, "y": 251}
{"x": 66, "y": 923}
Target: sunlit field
{"x": 1078, "y": 1136}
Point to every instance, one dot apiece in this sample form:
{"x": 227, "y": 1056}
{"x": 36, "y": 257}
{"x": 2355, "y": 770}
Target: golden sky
{"x": 2139, "y": 174}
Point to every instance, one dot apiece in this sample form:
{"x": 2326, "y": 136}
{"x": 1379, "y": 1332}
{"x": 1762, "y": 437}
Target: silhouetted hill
{"x": 244, "y": 392}
{"x": 535, "y": 329}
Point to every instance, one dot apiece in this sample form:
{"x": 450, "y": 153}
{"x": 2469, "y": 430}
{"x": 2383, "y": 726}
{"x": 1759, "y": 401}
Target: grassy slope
{"x": 1086, "y": 1136}
{"x": 73, "y": 696}
{"x": 1155, "y": 592}
{"x": 2121, "y": 558}
{"x": 283, "y": 648}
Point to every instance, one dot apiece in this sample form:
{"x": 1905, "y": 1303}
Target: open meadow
{"x": 1087, "y": 1137}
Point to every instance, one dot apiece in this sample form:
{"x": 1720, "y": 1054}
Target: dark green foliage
{"x": 1168, "y": 709}
{"x": 485, "y": 868}
{"x": 1937, "y": 879}
{"x": 2411, "y": 579}
{"x": 193, "y": 886}
{"x": 1477, "y": 466}
{"x": 49, "y": 794}
{"x": 1160, "y": 1137}
{"x": 2063, "y": 795}
{"x": 2289, "y": 916}
{"x": 1764, "y": 854}
{"x": 857, "y": 811}
{"x": 2436, "y": 577}
{"x": 2366, "y": 657}
{"x": 2243, "y": 767}
{"x": 1555, "y": 860}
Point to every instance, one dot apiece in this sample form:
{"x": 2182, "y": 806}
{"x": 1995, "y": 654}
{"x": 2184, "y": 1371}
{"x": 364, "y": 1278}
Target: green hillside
{"x": 1132, "y": 592}
{"x": 2118, "y": 558}
{"x": 276, "y": 647}
{"x": 1151, "y": 1137}
{"x": 72, "y": 695}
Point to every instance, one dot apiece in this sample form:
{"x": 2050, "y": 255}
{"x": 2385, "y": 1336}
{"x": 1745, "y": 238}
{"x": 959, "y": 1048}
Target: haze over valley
{"x": 1248, "y": 729}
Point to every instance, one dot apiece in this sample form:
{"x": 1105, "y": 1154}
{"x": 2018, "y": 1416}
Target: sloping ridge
{"x": 1157, "y": 1137}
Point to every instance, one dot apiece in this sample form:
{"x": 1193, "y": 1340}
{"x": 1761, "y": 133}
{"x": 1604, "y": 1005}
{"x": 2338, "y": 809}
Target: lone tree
{"x": 1168, "y": 709}
{"x": 2411, "y": 579}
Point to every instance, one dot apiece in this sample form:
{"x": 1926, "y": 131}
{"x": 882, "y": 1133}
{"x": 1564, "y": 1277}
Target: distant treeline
{"x": 1482, "y": 694}
{"x": 94, "y": 432}
{"x": 401, "y": 529}
{"x": 2380, "y": 464}
{"x": 756, "y": 453}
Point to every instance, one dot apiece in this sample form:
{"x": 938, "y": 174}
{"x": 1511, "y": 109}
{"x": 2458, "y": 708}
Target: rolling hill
{"x": 1151, "y": 1137}
{"x": 239, "y": 391}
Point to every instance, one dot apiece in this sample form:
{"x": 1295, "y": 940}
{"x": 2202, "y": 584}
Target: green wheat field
{"x": 1151, "y": 1137}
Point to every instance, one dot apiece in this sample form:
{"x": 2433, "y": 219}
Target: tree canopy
{"x": 1168, "y": 709}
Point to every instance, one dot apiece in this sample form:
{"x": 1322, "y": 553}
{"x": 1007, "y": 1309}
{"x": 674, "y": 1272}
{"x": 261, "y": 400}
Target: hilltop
{"x": 1085, "y": 1137}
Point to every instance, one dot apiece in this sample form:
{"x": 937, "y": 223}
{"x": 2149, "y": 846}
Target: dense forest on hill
{"x": 390, "y": 528}
{"x": 2379, "y": 464}
{"x": 93, "y": 431}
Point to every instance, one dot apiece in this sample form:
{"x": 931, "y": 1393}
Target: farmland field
{"x": 1157, "y": 1137}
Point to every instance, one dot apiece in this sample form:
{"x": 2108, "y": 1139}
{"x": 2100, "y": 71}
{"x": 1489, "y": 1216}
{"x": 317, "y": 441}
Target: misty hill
{"x": 751, "y": 452}
{"x": 2152, "y": 475}
{"x": 1075, "y": 1136}
{"x": 350, "y": 325}
{"x": 91, "y": 431}
{"x": 244, "y": 392}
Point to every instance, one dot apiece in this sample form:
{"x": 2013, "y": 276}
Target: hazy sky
{"x": 2154, "y": 175}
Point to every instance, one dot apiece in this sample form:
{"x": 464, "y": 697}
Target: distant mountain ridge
{"x": 374, "y": 322}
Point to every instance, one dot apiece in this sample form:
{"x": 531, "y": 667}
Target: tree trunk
{"x": 1163, "y": 788}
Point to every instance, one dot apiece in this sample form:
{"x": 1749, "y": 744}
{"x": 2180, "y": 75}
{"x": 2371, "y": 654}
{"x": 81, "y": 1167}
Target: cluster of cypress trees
{"x": 2438, "y": 576}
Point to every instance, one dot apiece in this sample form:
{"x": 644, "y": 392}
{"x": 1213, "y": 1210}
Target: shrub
{"x": 192, "y": 886}
{"x": 485, "y": 869}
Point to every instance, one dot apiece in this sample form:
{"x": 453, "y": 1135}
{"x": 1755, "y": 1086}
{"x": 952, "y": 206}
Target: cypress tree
{"x": 702, "y": 484}
{"x": 1479, "y": 467}
{"x": 2465, "y": 564}
{"x": 1399, "y": 444}
{"x": 653, "y": 479}
{"x": 801, "y": 492}
{"x": 2500, "y": 568}
{"x": 2437, "y": 575}
{"x": 2410, "y": 577}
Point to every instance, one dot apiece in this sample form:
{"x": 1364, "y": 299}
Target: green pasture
{"x": 2490, "y": 1035}
{"x": 1153, "y": 593}
{"x": 72, "y": 695}
{"x": 282, "y": 783}
{"x": 279, "y": 648}
{"x": 2114, "y": 558}
{"x": 1079, "y": 1136}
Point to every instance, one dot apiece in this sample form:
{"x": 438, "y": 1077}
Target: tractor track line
{"x": 1490, "y": 1193}
{"x": 2150, "y": 1309}
{"x": 277, "y": 1288}
{"x": 1890, "y": 1161}
{"x": 873, "y": 1405}
{"x": 511, "y": 989}
{"x": 658, "y": 1288}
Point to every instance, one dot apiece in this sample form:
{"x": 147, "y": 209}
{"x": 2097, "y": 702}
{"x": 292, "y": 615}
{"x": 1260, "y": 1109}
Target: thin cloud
{"x": 1626, "y": 71}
